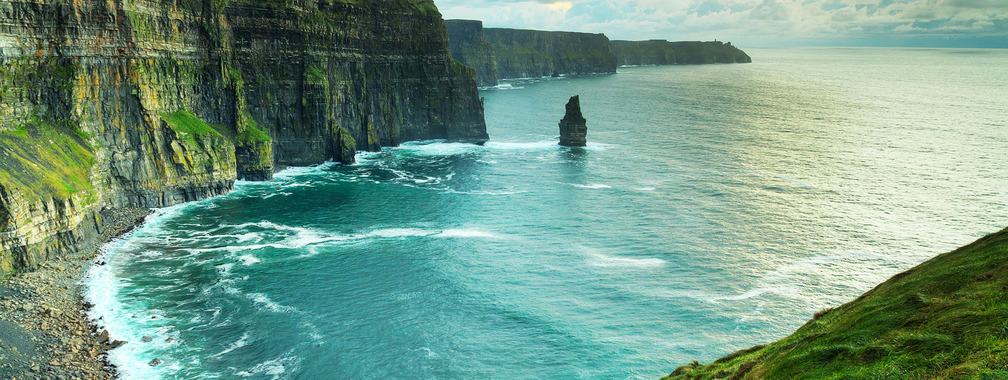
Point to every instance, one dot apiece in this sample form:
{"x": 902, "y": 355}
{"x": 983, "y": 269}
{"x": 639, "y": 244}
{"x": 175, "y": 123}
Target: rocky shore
{"x": 44, "y": 331}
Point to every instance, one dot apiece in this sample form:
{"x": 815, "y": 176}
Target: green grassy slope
{"x": 44, "y": 160}
{"x": 945, "y": 319}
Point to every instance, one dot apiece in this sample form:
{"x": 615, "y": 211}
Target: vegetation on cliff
{"x": 945, "y": 319}
{"x": 41, "y": 159}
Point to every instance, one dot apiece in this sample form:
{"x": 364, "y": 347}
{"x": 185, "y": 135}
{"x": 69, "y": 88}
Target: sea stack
{"x": 574, "y": 127}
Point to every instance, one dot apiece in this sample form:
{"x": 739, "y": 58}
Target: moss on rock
{"x": 42, "y": 159}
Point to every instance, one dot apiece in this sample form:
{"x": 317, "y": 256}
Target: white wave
{"x": 417, "y": 232}
{"x": 276, "y": 194}
{"x": 152, "y": 254}
{"x": 467, "y": 233}
{"x": 267, "y": 303}
{"x": 249, "y": 260}
{"x": 251, "y": 236}
{"x": 399, "y": 232}
{"x": 437, "y": 148}
{"x": 754, "y": 293}
{"x": 127, "y": 322}
{"x": 539, "y": 145}
{"x": 502, "y": 87}
{"x": 598, "y": 146}
{"x": 273, "y": 367}
{"x": 607, "y": 261}
{"x": 241, "y": 342}
{"x": 297, "y": 237}
{"x": 645, "y": 189}
{"x": 225, "y": 269}
{"x": 593, "y": 186}
{"x": 488, "y": 192}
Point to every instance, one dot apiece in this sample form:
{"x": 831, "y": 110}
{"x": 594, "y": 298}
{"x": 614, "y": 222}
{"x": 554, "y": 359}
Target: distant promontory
{"x": 498, "y": 54}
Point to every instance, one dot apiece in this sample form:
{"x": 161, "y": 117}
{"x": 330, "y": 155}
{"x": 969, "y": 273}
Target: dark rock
{"x": 147, "y": 339}
{"x": 516, "y": 53}
{"x": 103, "y": 337}
{"x": 469, "y": 46}
{"x": 573, "y": 127}
{"x": 661, "y": 52}
{"x": 116, "y": 344}
{"x": 154, "y": 363}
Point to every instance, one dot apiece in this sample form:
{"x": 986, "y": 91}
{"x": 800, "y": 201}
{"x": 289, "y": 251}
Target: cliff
{"x": 513, "y": 53}
{"x": 536, "y": 54}
{"x": 944, "y": 319}
{"x": 149, "y": 103}
{"x": 661, "y": 52}
{"x": 469, "y": 46}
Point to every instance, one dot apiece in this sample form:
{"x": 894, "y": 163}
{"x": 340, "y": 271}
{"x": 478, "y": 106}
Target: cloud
{"x": 754, "y": 22}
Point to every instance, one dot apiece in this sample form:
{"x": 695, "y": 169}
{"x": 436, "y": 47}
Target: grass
{"x": 945, "y": 319}
{"x": 41, "y": 160}
{"x": 20, "y": 131}
{"x": 251, "y": 134}
{"x": 188, "y": 125}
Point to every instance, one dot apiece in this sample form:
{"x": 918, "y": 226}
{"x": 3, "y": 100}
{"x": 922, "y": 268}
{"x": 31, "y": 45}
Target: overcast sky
{"x": 973, "y": 23}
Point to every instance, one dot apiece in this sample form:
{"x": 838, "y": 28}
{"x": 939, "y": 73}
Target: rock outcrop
{"x": 574, "y": 127}
{"x": 515, "y": 53}
{"x": 149, "y": 103}
{"x": 661, "y": 52}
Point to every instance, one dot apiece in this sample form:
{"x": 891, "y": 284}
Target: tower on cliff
{"x": 574, "y": 127}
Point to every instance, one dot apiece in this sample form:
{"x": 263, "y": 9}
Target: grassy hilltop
{"x": 945, "y": 319}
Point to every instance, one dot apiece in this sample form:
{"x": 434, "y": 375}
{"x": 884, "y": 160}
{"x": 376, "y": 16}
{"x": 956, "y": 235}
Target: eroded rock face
{"x": 517, "y": 53}
{"x": 469, "y": 46}
{"x": 157, "y": 102}
{"x": 574, "y": 127}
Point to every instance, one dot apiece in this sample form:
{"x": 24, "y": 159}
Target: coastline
{"x": 44, "y": 329}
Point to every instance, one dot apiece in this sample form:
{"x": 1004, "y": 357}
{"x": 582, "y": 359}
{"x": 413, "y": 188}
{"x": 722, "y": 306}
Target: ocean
{"x": 715, "y": 208}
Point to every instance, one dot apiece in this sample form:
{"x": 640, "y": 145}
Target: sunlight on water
{"x": 716, "y": 207}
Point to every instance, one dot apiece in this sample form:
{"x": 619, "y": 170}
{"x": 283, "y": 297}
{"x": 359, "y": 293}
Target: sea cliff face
{"x": 514, "y": 53}
{"x": 661, "y": 52}
{"x": 149, "y": 103}
{"x": 469, "y": 46}
{"x": 534, "y": 54}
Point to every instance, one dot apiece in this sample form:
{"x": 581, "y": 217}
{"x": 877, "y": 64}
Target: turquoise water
{"x": 716, "y": 207}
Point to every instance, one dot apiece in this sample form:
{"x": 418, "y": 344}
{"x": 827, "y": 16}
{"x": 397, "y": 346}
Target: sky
{"x": 757, "y": 23}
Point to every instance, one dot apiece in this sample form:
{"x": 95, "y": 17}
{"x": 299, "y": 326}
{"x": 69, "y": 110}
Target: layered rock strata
{"x": 149, "y": 103}
{"x": 469, "y": 46}
{"x": 514, "y": 53}
{"x": 498, "y": 54}
{"x": 535, "y": 54}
